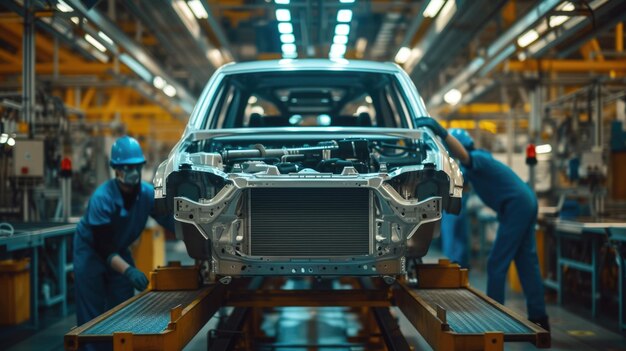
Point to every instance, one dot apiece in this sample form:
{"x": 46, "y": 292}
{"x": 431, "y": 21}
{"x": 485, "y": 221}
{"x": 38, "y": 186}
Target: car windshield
{"x": 308, "y": 99}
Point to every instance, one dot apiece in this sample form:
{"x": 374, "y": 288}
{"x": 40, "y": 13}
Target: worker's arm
{"x": 105, "y": 248}
{"x": 457, "y": 150}
{"x": 454, "y": 146}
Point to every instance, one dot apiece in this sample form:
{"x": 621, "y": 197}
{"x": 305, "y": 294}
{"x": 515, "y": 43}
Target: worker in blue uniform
{"x": 455, "y": 235}
{"x": 104, "y": 270}
{"x": 516, "y": 206}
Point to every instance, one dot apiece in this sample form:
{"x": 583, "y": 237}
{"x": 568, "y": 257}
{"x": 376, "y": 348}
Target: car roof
{"x": 310, "y": 64}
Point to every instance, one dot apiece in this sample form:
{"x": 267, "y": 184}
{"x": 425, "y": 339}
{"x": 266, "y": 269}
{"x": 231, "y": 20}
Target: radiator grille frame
{"x": 365, "y": 245}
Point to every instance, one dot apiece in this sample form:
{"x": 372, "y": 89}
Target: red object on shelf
{"x": 24, "y": 170}
{"x": 531, "y": 155}
{"x": 66, "y": 164}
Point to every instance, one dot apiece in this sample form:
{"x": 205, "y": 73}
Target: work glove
{"x": 137, "y": 278}
{"x": 433, "y": 125}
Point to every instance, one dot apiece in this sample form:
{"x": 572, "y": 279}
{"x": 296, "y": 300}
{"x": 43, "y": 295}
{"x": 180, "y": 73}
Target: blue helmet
{"x": 126, "y": 151}
{"x": 463, "y": 137}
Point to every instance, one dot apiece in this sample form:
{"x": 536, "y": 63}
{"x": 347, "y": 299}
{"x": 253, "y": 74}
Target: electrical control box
{"x": 28, "y": 158}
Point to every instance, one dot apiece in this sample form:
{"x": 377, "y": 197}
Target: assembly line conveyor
{"x": 445, "y": 310}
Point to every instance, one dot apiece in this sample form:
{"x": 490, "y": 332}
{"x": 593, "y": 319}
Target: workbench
{"x": 32, "y": 237}
{"x": 444, "y": 309}
{"x": 617, "y": 238}
{"x": 597, "y": 232}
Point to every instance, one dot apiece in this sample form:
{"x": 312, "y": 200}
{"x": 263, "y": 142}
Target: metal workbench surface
{"x": 27, "y": 235}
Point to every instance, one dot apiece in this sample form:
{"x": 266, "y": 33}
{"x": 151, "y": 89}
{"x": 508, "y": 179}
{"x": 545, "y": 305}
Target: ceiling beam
{"x": 567, "y": 66}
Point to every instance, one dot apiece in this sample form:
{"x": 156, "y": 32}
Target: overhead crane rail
{"x": 448, "y": 313}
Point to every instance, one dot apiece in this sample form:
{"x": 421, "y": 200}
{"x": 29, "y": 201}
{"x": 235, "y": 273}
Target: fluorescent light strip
{"x": 344, "y": 15}
{"x": 433, "y": 8}
{"x": 63, "y": 7}
{"x": 105, "y": 38}
{"x": 403, "y": 55}
{"x": 159, "y": 82}
{"x": 198, "y": 9}
{"x": 340, "y": 39}
{"x": 527, "y": 38}
{"x": 453, "y": 96}
{"x": 283, "y": 15}
{"x": 169, "y": 91}
{"x": 287, "y": 38}
{"x": 93, "y": 41}
{"x": 285, "y": 28}
{"x": 282, "y": 2}
{"x": 342, "y": 29}
{"x": 288, "y": 48}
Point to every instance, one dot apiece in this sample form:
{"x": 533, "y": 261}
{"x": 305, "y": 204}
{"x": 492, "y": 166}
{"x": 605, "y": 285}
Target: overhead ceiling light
{"x": 340, "y": 39}
{"x": 342, "y": 29}
{"x": 136, "y": 67}
{"x": 453, "y": 96}
{"x": 159, "y": 82}
{"x": 288, "y": 48}
{"x": 403, "y": 55}
{"x": 198, "y": 9}
{"x": 285, "y": 28}
{"x": 344, "y": 15}
{"x": 169, "y": 90}
{"x": 360, "y": 46}
{"x": 556, "y": 21}
{"x": 3, "y": 138}
{"x": 11, "y": 142}
{"x": 63, "y": 7}
{"x": 433, "y": 8}
{"x": 76, "y": 20}
{"x": 346, "y": 1}
{"x": 216, "y": 57}
{"x": 287, "y": 38}
{"x": 521, "y": 56}
{"x": 338, "y": 49}
{"x": 105, "y": 38}
{"x": 543, "y": 149}
{"x": 290, "y": 56}
{"x": 527, "y": 38}
{"x": 283, "y": 15}
{"x": 93, "y": 41}
{"x": 282, "y": 2}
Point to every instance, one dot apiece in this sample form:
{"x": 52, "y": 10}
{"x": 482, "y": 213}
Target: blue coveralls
{"x": 98, "y": 286}
{"x": 516, "y": 205}
{"x": 455, "y": 236}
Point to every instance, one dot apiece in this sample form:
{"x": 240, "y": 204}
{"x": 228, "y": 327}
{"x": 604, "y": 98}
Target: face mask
{"x": 131, "y": 175}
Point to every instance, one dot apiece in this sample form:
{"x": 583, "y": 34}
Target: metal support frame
{"x": 28, "y": 67}
{"x": 372, "y": 297}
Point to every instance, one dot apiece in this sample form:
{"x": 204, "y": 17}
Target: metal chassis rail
{"x": 250, "y": 296}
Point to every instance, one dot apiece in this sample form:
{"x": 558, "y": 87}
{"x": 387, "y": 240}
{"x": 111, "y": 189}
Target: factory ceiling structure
{"x": 468, "y": 59}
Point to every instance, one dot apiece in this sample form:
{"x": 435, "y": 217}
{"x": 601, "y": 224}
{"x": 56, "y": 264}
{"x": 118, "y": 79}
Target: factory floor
{"x": 570, "y": 331}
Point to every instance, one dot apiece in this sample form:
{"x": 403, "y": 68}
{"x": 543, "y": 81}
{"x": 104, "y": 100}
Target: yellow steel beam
{"x": 509, "y": 13}
{"x": 9, "y": 57}
{"x": 87, "y": 98}
{"x": 566, "y": 65}
{"x": 484, "y": 108}
{"x": 44, "y": 47}
{"x": 619, "y": 37}
{"x": 64, "y": 68}
{"x": 132, "y": 109}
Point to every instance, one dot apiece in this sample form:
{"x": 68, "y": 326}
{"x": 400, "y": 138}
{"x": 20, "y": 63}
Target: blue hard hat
{"x": 126, "y": 151}
{"x": 463, "y": 137}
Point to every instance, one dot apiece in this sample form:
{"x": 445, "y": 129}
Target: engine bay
{"x": 331, "y": 156}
